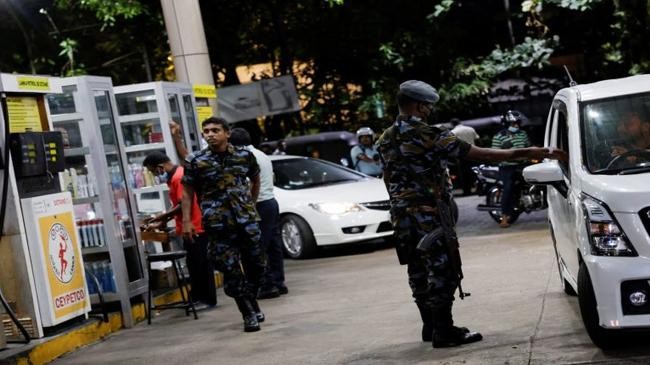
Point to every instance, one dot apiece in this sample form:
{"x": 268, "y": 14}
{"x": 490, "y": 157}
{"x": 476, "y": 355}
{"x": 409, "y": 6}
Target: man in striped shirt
{"x": 509, "y": 171}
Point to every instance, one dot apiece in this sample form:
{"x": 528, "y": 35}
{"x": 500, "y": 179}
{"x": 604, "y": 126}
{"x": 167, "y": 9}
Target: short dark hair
{"x": 240, "y": 137}
{"x": 216, "y": 120}
{"x": 404, "y": 100}
{"x": 155, "y": 158}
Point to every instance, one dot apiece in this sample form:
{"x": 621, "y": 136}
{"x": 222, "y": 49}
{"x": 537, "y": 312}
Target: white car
{"x": 599, "y": 202}
{"x": 322, "y": 204}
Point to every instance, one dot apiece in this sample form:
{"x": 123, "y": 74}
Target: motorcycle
{"x": 528, "y": 198}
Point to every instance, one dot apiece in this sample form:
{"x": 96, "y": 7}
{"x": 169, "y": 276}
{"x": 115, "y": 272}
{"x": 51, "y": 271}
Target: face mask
{"x": 431, "y": 118}
{"x": 163, "y": 177}
{"x": 513, "y": 129}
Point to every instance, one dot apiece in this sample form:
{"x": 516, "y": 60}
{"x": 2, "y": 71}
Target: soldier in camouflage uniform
{"x": 415, "y": 156}
{"x": 219, "y": 175}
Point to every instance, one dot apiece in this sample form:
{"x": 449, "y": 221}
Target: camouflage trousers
{"x": 431, "y": 276}
{"x": 239, "y": 256}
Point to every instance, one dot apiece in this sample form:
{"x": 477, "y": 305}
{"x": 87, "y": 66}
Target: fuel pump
{"x": 4, "y": 156}
{"x": 42, "y": 271}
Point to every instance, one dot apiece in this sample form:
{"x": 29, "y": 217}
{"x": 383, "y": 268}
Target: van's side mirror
{"x": 547, "y": 173}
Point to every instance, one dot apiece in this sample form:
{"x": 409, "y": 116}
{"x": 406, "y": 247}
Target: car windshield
{"x": 302, "y": 173}
{"x": 617, "y": 134}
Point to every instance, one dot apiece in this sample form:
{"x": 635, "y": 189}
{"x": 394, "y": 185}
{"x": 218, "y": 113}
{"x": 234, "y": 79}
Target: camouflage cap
{"x": 420, "y": 91}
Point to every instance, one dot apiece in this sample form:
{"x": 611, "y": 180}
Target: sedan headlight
{"x": 336, "y": 208}
{"x": 605, "y": 235}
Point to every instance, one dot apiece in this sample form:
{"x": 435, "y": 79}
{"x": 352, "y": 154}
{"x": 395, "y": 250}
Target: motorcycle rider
{"x": 364, "y": 155}
{"x": 509, "y": 171}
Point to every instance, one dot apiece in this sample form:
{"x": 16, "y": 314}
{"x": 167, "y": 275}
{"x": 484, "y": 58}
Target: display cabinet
{"x": 97, "y": 176}
{"x": 145, "y": 111}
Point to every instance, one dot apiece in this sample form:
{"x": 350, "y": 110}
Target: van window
{"x": 616, "y": 133}
{"x": 563, "y": 138}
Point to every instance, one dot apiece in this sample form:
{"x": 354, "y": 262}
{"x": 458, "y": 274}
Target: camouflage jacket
{"x": 419, "y": 174}
{"x": 220, "y": 182}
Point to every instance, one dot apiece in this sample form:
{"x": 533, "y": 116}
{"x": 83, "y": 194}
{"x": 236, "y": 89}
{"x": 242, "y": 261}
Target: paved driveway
{"x": 356, "y": 309}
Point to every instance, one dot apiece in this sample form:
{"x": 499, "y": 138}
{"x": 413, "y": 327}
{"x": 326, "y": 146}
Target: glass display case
{"x": 145, "y": 111}
{"x": 96, "y": 176}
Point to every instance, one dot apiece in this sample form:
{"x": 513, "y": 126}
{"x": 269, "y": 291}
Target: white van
{"x": 599, "y": 201}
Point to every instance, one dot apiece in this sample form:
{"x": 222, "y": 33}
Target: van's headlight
{"x": 605, "y": 235}
{"x": 336, "y": 208}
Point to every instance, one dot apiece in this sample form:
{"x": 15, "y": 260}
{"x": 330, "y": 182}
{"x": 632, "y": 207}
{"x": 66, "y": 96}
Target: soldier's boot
{"x": 258, "y": 312}
{"x": 426, "y": 313}
{"x": 445, "y": 334}
{"x": 251, "y": 324}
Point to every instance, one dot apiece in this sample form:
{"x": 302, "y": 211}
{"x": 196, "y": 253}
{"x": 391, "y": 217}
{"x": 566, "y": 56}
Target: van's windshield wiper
{"x": 330, "y": 182}
{"x": 607, "y": 171}
{"x": 637, "y": 170}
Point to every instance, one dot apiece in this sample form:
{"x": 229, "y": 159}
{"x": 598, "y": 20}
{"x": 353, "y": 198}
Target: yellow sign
{"x": 33, "y": 83}
{"x": 203, "y": 112}
{"x": 63, "y": 262}
{"x": 205, "y": 91}
{"x": 23, "y": 114}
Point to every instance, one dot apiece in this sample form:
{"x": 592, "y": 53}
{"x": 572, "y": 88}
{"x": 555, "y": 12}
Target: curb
{"x": 44, "y": 350}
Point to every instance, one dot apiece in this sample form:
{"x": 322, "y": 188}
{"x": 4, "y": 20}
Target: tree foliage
{"x": 348, "y": 57}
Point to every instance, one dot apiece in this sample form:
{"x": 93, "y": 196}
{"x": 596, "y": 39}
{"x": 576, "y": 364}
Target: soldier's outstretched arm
{"x": 530, "y": 153}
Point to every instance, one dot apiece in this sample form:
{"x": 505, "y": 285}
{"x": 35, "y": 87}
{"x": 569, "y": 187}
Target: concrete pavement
{"x": 357, "y": 309}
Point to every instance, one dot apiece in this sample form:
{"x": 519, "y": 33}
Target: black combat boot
{"x": 257, "y": 310}
{"x": 251, "y": 324}
{"x": 445, "y": 334}
{"x": 426, "y": 314}
{"x": 454, "y": 336}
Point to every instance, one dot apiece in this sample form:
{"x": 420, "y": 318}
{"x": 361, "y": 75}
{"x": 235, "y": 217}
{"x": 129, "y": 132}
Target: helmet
{"x": 365, "y": 131}
{"x": 419, "y": 91}
{"x": 512, "y": 116}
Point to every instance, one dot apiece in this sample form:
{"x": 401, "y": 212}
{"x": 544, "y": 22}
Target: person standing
{"x": 364, "y": 155}
{"x": 226, "y": 181}
{"x": 415, "y": 156}
{"x": 204, "y": 289}
{"x": 269, "y": 212}
{"x": 465, "y": 174}
{"x": 510, "y": 171}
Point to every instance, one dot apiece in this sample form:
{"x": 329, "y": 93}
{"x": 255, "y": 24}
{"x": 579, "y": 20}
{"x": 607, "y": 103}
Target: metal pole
{"x": 187, "y": 42}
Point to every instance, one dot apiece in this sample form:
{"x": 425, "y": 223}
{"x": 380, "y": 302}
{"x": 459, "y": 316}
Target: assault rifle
{"x": 446, "y": 234}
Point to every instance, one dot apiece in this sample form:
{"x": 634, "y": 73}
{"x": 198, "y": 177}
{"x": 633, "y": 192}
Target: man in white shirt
{"x": 269, "y": 212}
{"x": 465, "y": 174}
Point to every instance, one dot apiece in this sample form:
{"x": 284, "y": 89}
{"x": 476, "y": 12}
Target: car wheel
{"x": 601, "y": 337}
{"x": 297, "y": 237}
{"x": 493, "y": 197}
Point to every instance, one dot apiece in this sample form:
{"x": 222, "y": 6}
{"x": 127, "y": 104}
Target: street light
{"x": 49, "y": 18}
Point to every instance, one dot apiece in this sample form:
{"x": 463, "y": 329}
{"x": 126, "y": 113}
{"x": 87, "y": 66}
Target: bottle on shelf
{"x": 92, "y": 191}
{"x": 82, "y": 234}
{"x": 131, "y": 176}
{"x": 102, "y": 233}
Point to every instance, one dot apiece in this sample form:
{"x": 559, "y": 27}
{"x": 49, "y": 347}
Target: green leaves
{"x": 440, "y": 9}
{"x": 471, "y": 82}
{"x": 107, "y": 11}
